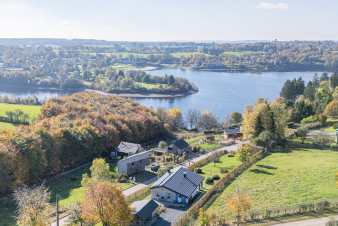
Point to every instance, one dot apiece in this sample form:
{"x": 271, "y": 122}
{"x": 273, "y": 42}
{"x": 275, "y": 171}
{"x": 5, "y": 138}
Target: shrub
{"x": 199, "y": 170}
{"x": 224, "y": 170}
{"x": 216, "y": 177}
{"x": 231, "y": 155}
{"x": 209, "y": 180}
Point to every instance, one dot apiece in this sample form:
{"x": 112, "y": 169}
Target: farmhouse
{"x": 177, "y": 186}
{"x": 145, "y": 212}
{"x": 232, "y": 132}
{"x": 179, "y": 147}
{"x": 134, "y": 164}
{"x": 126, "y": 149}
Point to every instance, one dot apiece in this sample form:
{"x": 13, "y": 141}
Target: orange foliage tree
{"x": 106, "y": 204}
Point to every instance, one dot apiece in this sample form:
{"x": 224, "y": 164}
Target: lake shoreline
{"x": 140, "y": 95}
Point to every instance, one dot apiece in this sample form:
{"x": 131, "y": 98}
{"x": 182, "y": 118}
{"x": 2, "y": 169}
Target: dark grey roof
{"x": 180, "y": 143}
{"x": 180, "y": 180}
{"x": 144, "y": 208}
{"x": 233, "y": 130}
{"x": 129, "y": 148}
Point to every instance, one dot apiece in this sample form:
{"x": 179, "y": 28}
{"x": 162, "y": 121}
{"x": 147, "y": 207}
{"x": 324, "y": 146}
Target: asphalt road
{"x": 313, "y": 222}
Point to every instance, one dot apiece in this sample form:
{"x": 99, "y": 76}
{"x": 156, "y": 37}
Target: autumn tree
{"x": 104, "y": 203}
{"x": 265, "y": 118}
{"x": 239, "y": 205}
{"x": 175, "y": 118}
{"x": 33, "y": 206}
{"x": 99, "y": 171}
{"x": 332, "y": 108}
{"x": 245, "y": 152}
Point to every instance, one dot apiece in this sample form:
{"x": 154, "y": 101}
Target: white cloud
{"x": 280, "y": 6}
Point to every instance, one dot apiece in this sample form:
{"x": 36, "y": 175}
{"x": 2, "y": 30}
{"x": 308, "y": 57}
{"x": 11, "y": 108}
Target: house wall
{"x": 129, "y": 168}
{"x": 163, "y": 194}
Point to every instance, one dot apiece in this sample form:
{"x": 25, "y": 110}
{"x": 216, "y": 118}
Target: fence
{"x": 214, "y": 155}
{"x": 303, "y": 208}
{"x": 192, "y": 213}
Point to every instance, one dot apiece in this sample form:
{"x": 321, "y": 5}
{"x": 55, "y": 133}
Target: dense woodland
{"x": 72, "y": 130}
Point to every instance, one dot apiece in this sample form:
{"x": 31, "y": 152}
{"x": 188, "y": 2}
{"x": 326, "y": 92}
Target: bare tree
{"x": 208, "y": 121}
{"x": 33, "y": 206}
{"x": 193, "y": 117}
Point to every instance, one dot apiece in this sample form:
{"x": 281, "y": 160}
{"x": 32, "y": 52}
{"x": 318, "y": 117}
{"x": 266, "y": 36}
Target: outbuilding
{"x": 134, "y": 164}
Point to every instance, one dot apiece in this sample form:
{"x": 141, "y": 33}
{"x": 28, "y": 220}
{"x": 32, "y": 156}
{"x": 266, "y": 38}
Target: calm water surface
{"x": 223, "y": 93}
{"x": 219, "y": 92}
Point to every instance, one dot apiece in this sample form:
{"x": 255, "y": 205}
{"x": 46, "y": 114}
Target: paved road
{"x": 312, "y": 222}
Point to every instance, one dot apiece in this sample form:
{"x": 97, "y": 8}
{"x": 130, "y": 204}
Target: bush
{"x": 224, "y": 170}
{"x": 198, "y": 170}
{"x": 209, "y": 180}
{"x": 216, "y": 177}
{"x": 231, "y": 155}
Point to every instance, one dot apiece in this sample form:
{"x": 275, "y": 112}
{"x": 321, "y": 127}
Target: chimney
{"x": 185, "y": 174}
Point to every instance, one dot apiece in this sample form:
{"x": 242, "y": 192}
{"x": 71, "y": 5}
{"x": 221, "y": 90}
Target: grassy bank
{"x": 285, "y": 179}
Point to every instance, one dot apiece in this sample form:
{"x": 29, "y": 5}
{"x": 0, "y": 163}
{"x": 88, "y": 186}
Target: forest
{"x": 68, "y": 63}
{"x": 70, "y": 131}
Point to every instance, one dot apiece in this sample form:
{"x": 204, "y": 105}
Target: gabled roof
{"x": 136, "y": 157}
{"x": 180, "y": 144}
{"x": 129, "y": 148}
{"x": 180, "y": 180}
{"x": 144, "y": 208}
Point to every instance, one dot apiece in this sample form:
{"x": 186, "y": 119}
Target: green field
{"x": 69, "y": 188}
{"x": 285, "y": 179}
{"x": 239, "y": 53}
{"x": 32, "y": 110}
{"x": 214, "y": 168}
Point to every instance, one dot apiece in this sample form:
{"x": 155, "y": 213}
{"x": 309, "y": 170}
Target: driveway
{"x": 312, "y": 222}
{"x": 169, "y": 216}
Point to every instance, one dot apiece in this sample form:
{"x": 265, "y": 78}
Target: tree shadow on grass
{"x": 260, "y": 171}
{"x": 266, "y": 166}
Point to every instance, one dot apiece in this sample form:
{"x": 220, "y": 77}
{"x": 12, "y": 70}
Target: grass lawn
{"x": 188, "y": 54}
{"x": 285, "y": 179}
{"x": 69, "y": 187}
{"x": 213, "y": 168}
{"x": 32, "y": 110}
{"x": 196, "y": 141}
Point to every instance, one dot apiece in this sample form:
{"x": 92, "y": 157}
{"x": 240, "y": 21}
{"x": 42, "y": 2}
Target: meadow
{"x": 285, "y": 179}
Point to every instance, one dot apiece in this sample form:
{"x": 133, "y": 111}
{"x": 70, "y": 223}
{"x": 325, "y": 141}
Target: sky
{"x": 170, "y": 20}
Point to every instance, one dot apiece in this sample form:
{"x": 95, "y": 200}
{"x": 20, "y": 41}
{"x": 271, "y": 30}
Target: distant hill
{"x": 51, "y": 41}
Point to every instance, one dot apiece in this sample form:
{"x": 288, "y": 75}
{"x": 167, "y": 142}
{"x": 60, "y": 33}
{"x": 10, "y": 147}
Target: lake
{"x": 219, "y": 92}
{"x": 222, "y": 92}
